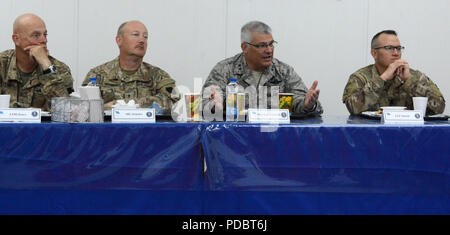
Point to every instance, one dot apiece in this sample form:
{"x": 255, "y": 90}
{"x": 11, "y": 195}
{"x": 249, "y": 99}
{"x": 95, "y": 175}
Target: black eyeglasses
{"x": 391, "y": 48}
{"x": 264, "y": 45}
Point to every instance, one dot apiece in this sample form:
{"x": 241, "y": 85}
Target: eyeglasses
{"x": 264, "y": 45}
{"x": 391, "y": 48}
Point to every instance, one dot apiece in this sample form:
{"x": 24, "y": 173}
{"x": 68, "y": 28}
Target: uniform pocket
{"x": 38, "y": 100}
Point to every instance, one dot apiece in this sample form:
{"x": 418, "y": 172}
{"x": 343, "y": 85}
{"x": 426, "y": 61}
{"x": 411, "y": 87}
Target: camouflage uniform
{"x": 146, "y": 85}
{"x": 366, "y": 91}
{"x": 39, "y": 89}
{"x": 278, "y": 74}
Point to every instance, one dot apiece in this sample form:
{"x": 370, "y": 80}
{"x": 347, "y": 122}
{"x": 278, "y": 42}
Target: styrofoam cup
{"x": 4, "y": 101}
{"x": 420, "y": 103}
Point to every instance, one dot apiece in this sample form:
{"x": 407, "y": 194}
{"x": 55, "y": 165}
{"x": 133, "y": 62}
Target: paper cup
{"x": 4, "y": 101}
{"x": 285, "y": 101}
{"x": 420, "y": 103}
{"x": 193, "y": 102}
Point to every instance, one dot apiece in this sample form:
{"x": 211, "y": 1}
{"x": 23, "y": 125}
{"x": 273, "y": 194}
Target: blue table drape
{"x": 100, "y": 168}
{"x": 330, "y": 165}
{"x": 327, "y": 168}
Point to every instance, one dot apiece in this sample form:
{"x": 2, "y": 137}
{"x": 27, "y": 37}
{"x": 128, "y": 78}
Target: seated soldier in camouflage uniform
{"x": 28, "y": 73}
{"x": 129, "y": 78}
{"x": 390, "y": 81}
{"x": 256, "y": 67}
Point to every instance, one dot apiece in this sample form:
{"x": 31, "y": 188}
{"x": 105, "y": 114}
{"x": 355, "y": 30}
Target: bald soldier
{"x": 129, "y": 78}
{"x": 390, "y": 81}
{"x": 28, "y": 73}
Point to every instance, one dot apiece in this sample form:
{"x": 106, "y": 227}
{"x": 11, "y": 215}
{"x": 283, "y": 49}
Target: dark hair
{"x": 375, "y": 38}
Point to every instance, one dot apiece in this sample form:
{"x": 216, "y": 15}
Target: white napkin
{"x": 75, "y": 95}
{"x": 130, "y": 105}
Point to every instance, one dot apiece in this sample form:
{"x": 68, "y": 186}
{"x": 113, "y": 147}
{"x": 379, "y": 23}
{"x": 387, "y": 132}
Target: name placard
{"x": 269, "y": 116}
{"x": 26, "y": 115}
{"x": 411, "y": 117}
{"x": 133, "y": 115}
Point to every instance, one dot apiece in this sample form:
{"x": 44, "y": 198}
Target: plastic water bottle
{"x": 231, "y": 101}
{"x": 93, "y": 82}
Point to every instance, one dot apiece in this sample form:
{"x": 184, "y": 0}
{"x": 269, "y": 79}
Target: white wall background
{"x": 324, "y": 40}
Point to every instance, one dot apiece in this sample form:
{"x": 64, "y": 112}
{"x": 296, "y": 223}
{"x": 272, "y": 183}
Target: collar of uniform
{"x": 241, "y": 68}
{"x": 143, "y": 71}
{"x": 375, "y": 71}
{"x": 239, "y": 64}
{"x": 13, "y": 69}
{"x": 396, "y": 81}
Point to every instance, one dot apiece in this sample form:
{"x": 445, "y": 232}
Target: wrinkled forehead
{"x": 261, "y": 38}
{"x": 30, "y": 24}
{"x": 135, "y": 26}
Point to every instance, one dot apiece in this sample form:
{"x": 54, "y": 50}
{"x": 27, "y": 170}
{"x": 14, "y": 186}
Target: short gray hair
{"x": 120, "y": 30}
{"x": 254, "y": 27}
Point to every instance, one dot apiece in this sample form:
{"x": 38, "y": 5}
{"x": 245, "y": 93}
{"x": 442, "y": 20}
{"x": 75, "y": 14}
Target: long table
{"x": 54, "y": 168}
{"x": 329, "y": 165}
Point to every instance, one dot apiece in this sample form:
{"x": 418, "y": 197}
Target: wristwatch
{"x": 51, "y": 69}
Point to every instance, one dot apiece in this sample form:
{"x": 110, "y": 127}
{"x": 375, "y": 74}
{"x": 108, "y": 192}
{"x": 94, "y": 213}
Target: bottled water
{"x": 231, "y": 101}
{"x": 93, "y": 82}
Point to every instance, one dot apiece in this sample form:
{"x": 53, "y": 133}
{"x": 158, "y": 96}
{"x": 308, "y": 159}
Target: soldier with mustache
{"x": 128, "y": 77}
{"x": 255, "y": 66}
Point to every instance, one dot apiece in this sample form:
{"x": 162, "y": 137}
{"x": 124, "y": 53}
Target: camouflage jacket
{"x": 148, "y": 84}
{"x": 39, "y": 89}
{"x": 278, "y": 74}
{"x": 366, "y": 91}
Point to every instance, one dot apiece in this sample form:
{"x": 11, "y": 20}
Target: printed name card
{"x": 268, "y": 116}
{"x": 24, "y": 115}
{"x": 119, "y": 115}
{"x": 411, "y": 117}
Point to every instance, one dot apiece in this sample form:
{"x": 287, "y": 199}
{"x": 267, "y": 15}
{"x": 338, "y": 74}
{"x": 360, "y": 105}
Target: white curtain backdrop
{"x": 324, "y": 40}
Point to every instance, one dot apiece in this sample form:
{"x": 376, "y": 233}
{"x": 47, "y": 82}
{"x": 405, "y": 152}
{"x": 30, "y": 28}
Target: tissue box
{"x": 75, "y": 110}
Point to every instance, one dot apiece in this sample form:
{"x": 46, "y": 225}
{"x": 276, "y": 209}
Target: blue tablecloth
{"x": 327, "y": 166}
{"x": 332, "y": 165}
{"x": 55, "y": 168}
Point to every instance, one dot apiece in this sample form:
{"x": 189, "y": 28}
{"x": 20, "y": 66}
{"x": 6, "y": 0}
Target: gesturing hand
{"x": 312, "y": 96}
{"x": 216, "y": 97}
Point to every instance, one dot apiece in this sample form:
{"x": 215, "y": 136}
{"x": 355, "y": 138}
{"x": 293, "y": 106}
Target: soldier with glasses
{"x": 255, "y": 66}
{"x": 390, "y": 81}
